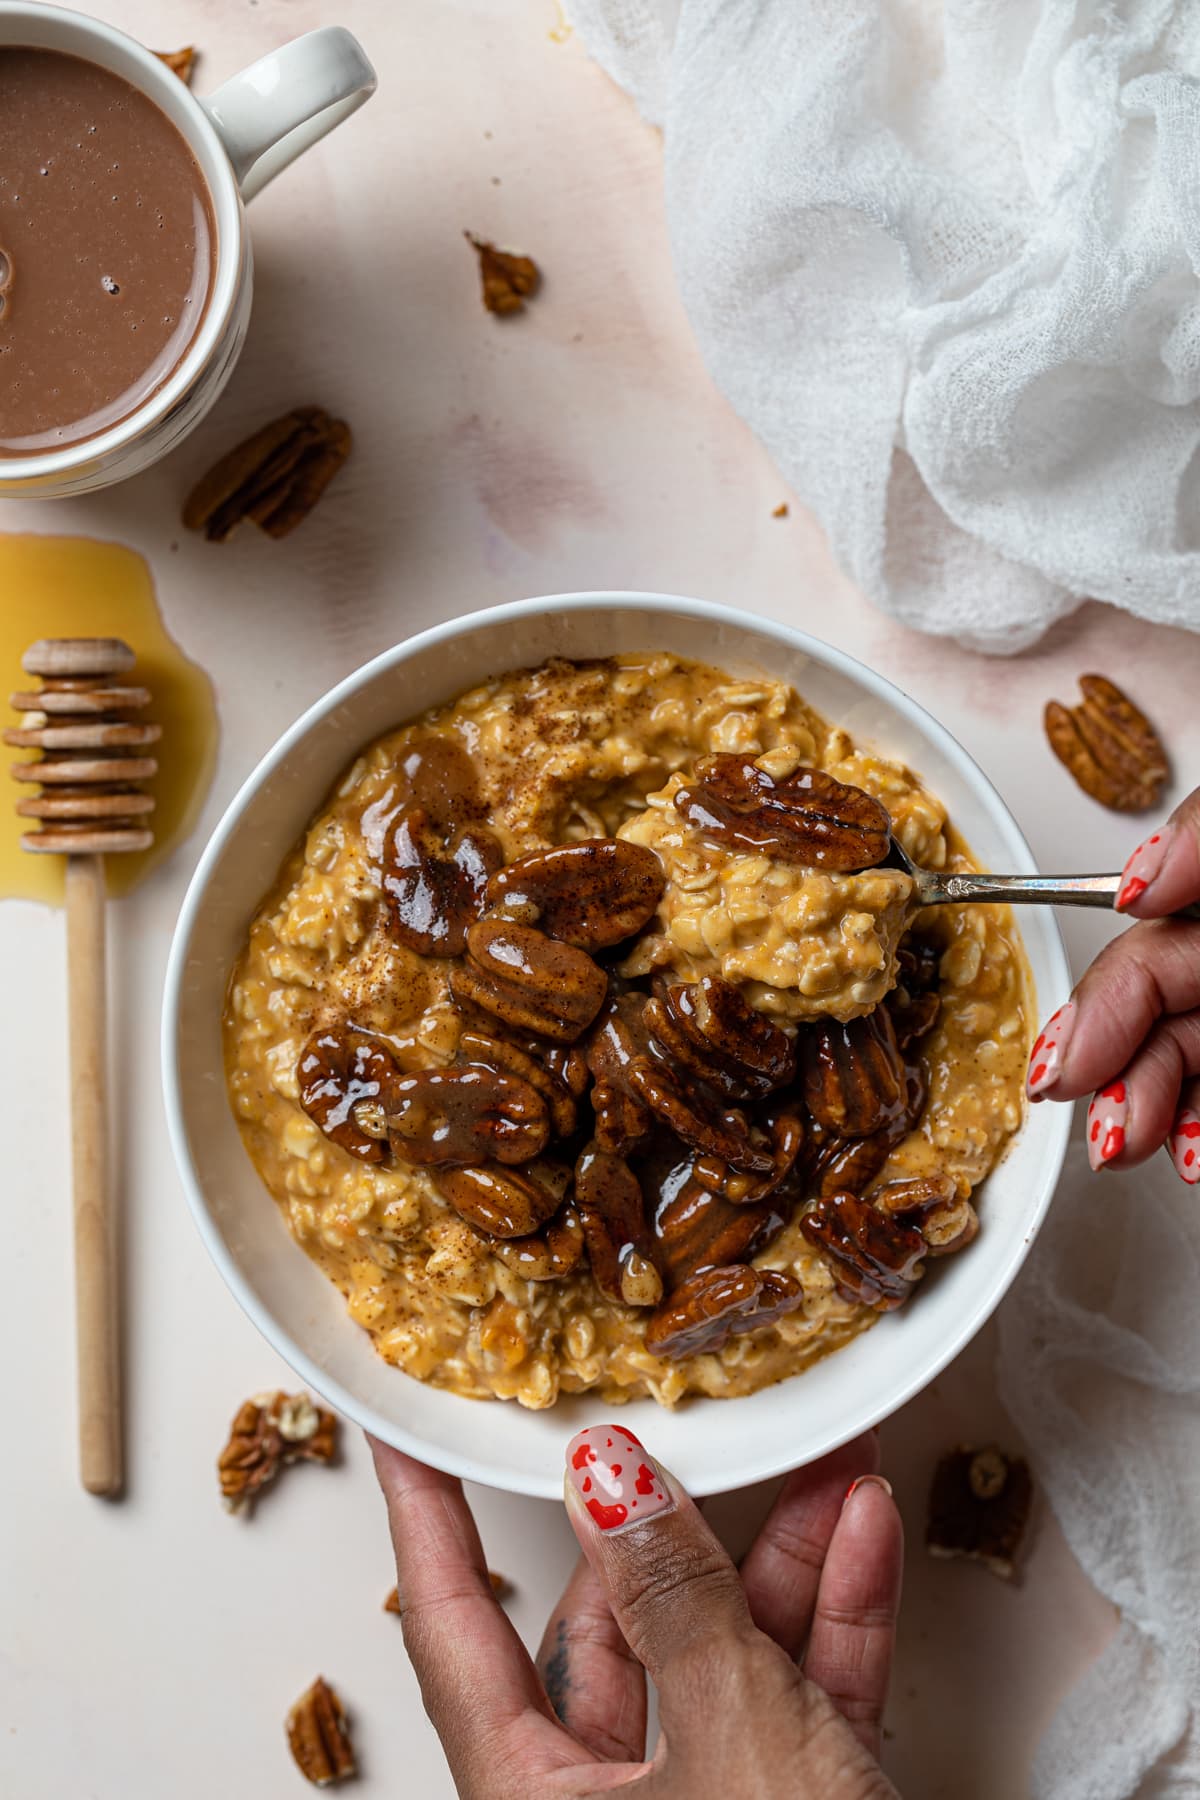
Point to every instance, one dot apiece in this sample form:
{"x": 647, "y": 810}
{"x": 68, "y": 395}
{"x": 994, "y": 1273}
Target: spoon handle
{"x": 1027, "y": 890}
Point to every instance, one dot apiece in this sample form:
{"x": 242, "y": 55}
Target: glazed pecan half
{"x": 529, "y": 981}
{"x": 438, "y": 1117}
{"x": 1109, "y": 746}
{"x": 853, "y": 1072}
{"x": 932, "y": 1203}
{"x": 591, "y": 894}
{"x": 491, "y": 1052}
{"x": 808, "y": 818}
{"x": 782, "y": 1133}
{"x": 613, "y": 1216}
{"x": 617, "y": 1041}
{"x": 436, "y": 886}
{"x": 549, "y": 1254}
{"x": 876, "y": 1260}
{"x": 339, "y": 1070}
{"x": 718, "y": 1304}
{"x": 724, "y": 1135}
{"x": 500, "y": 1202}
{"x": 318, "y": 1738}
{"x": 834, "y": 1163}
{"x": 712, "y": 1031}
{"x": 697, "y": 1229}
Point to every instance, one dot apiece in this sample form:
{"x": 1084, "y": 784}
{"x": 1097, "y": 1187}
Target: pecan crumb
{"x": 507, "y": 279}
{"x": 781, "y": 511}
{"x": 317, "y": 1736}
{"x": 274, "y": 478}
{"x": 269, "y": 1431}
{"x": 979, "y": 1502}
{"x": 392, "y": 1603}
{"x": 1111, "y": 749}
{"x": 180, "y": 62}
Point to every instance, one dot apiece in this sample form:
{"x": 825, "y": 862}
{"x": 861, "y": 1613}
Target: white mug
{"x": 241, "y": 137}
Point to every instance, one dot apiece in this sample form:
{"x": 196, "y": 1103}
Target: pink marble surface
{"x": 154, "y": 1646}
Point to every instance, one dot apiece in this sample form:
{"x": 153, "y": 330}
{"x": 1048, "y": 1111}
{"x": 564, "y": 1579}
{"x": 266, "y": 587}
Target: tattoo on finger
{"x": 555, "y": 1674}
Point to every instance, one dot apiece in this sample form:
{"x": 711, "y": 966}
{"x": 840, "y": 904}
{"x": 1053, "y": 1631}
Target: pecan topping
{"x": 853, "y": 1073}
{"x": 480, "y": 1047}
{"x": 590, "y": 894}
{"x": 274, "y": 478}
{"x": 979, "y": 1504}
{"x": 618, "y": 1040}
{"x": 508, "y": 280}
{"x": 499, "y": 1202}
{"x": 697, "y": 1229}
{"x": 933, "y": 1204}
{"x": 180, "y": 62}
{"x": 711, "y": 1029}
{"x": 269, "y": 1431}
{"x": 317, "y": 1736}
{"x": 919, "y": 963}
{"x": 718, "y": 1304}
{"x": 809, "y": 818}
{"x": 549, "y": 1254}
{"x": 877, "y": 1260}
{"x": 723, "y": 1135}
{"x": 1110, "y": 747}
{"x": 912, "y": 1018}
{"x": 340, "y": 1068}
{"x": 529, "y": 981}
{"x": 786, "y": 1135}
{"x": 836, "y": 1163}
{"x": 613, "y": 1216}
{"x": 435, "y": 886}
{"x": 444, "y": 1116}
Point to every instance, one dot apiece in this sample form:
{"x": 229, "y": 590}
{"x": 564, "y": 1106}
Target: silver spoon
{"x": 933, "y": 887}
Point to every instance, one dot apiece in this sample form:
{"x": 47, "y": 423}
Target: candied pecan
{"x": 712, "y": 1030}
{"x": 613, "y": 1216}
{"x": 507, "y": 279}
{"x": 853, "y": 1072}
{"x": 933, "y": 1204}
{"x": 547, "y": 1255}
{"x": 697, "y": 1229}
{"x": 876, "y": 1260}
{"x": 268, "y": 1432}
{"x": 1110, "y": 747}
{"x": 480, "y": 1047}
{"x": 591, "y": 894}
{"x": 529, "y": 981}
{"x": 724, "y": 1135}
{"x": 318, "y": 1738}
{"x": 436, "y": 887}
{"x": 339, "y": 1068}
{"x": 979, "y": 1505}
{"x": 499, "y": 1202}
{"x": 808, "y": 818}
{"x": 437, "y": 1116}
{"x": 275, "y": 477}
{"x": 710, "y": 1308}
{"x": 785, "y": 1131}
{"x": 615, "y": 1043}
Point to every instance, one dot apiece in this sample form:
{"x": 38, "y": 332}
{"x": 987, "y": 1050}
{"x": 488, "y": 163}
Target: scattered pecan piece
{"x": 549, "y": 1254}
{"x": 933, "y": 1204}
{"x": 697, "y": 1229}
{"x": 591, "y": 894}
{"x": 180, "y": 62}
{"x": 339, "y": 1069}
{"x": 876, "y": 1260}
{"x": 499, "y": 1202}
{"x": 274, "y": 478}
{"x": 269, "y": 1431}
{"x": 853, "y": 1072}
{"x": 435, "y": 886}
{"x": 808, "y": 818}
{"x": 489, "y": 1052}
{"x": 718, "y": 1304}
{"x": 613, "y": 1216}
{"x": 1110, "y": 747}
{"x": 471, "y": 1115}
{"x": 528, "y": 980}
{"x": 392, "y": 1603}
{"x": 712, "y": 1030}
{"x": 979, "y": 1504}
{"x": 508, "y": 279}
{"x": 318, "y": 1738}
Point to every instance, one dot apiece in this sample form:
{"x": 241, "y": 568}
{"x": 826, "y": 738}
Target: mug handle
{"x": 271, "y": 112}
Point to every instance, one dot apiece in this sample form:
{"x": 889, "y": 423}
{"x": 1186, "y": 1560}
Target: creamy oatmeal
{"x": 521, "y": 1114}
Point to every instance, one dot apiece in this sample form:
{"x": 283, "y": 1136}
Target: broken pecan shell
{"x": 436, "y": 888}
{"x": 268, "y": 1432}
{"x": 318, "y": 1738}
{"x": 711, "y": 1029}
{"x": 529, "y": 981}
{"x": 933, "y": 1204}
{"x": 499, "y": 1202}
{"x": 697, "y": 1229}
{"x": 338, "y": 1069}
{"x": 876, "y": 1260}
{"x": 549, "y": 1254}
{"x": 471, "y": 1115}
{"x": 613, "y": 1215}
{"x": 1109, "y": 746}
{"x": 809, "y": 818}
{"x": 853, "y": 1072}
{"x": 489, "y": 1052}
{"x": 591, "y": 894}
{"x": 711, "y": 1307}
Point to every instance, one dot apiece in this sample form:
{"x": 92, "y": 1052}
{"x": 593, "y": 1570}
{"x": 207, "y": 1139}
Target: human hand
{"x": 1131, "y": 1030}
{"x": 771, "y": 1682}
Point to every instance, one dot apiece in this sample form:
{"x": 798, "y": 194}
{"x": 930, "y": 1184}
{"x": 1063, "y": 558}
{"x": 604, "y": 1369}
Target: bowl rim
{"x": 772, "y": 1461}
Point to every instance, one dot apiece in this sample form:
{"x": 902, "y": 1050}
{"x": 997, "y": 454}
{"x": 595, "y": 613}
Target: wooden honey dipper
{"x": 93, "y": 755}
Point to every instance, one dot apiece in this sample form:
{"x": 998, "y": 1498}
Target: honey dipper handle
{"x": 96, "y": 1328}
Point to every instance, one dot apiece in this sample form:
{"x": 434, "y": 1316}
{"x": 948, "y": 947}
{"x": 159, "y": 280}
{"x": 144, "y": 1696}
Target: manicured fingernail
{"x": 1184, "y": 1145}
{"x": 1107, "y": 1118}
{"x": 1045, "y": 1059}
{"x": 616, "y": 1477}
{"x": 879, "y": 1481}
{"x": 1142, "y": 867}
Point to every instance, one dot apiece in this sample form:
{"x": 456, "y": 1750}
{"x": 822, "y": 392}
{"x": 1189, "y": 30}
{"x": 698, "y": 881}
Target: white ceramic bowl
{"x": 712, "y": 1445}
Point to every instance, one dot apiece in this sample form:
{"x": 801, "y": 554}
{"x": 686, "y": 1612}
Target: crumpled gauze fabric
{"x": 943, "y": 259}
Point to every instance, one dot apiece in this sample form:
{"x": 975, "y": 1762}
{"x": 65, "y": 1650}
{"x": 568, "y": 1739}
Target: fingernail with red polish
{"x": 879, "y": 1481}
{"x": 615, "y": 1476}
{"x": 1045, "y": 1059}
{"x": 1184, "y": 1145}
{"x": 1142, "y": 867}
{"x": 1108, "y": 1115}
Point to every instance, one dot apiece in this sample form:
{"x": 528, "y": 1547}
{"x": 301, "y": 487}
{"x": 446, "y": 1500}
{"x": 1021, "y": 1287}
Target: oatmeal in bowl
{"x": 589, "y": 1041}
